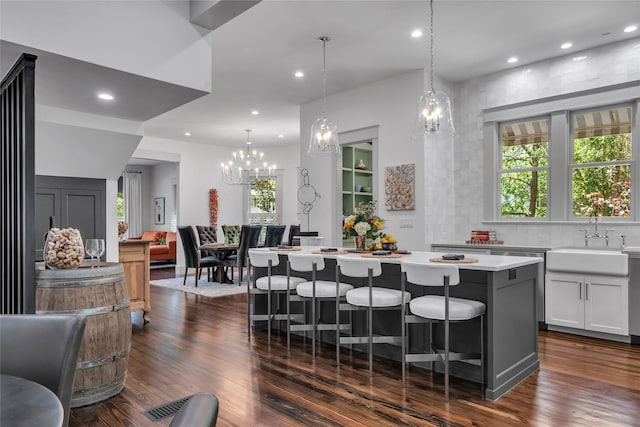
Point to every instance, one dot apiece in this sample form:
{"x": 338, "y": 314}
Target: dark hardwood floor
{"x": 195, "y": 344}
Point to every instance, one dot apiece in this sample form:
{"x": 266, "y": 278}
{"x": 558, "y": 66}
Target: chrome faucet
{"x": 596, "y": 234}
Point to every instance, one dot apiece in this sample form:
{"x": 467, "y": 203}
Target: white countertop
{"x": 632, "y": 250}
{"x": 485, "y": 262}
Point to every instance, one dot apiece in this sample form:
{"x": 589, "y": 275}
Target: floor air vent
{"x": 166, "y": 410}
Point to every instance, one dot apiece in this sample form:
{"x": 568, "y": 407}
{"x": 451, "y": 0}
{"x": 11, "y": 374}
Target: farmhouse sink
{"x": 588, "y": 261}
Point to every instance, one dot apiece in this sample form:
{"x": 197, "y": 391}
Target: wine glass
{"x": 91, "y": 247}
{"x": 100, "y": 250}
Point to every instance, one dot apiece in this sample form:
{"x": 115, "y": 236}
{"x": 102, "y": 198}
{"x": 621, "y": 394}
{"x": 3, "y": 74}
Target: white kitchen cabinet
{"x": 590, "y": 302}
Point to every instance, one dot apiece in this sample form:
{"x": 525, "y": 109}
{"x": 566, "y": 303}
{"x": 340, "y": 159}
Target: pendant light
{"x": 239, "y": 170}
{"x": 324, "y": 132}
{"x": 433, "y": 110}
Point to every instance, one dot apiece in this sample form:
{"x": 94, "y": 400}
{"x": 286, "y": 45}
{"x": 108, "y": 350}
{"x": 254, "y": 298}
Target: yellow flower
{"x": 377, "y": 224}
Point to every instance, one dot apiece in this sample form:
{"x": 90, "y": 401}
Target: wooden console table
{"x": 134, "y": 256}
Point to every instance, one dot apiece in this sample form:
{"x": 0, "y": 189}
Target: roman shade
{"x": 522, "y": 133}
{"x": 612, "y": 121}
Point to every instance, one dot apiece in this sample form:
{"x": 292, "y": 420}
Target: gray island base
{"x": 506, "y": 284}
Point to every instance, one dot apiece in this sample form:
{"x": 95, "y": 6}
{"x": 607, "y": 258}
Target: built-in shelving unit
{"x": 358, "y": 175}
{"x": 356, "y": 178}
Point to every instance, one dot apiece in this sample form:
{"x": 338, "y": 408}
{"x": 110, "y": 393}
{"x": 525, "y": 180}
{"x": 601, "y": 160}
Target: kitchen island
{"x": 506, "y": 284}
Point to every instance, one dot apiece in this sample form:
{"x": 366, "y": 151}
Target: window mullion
{"x": 558, "y": 200}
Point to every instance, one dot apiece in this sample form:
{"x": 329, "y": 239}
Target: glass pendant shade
{"x": 324, "y": 137}
{"x": 433, "y": 113}
{"x": 324, "y": 132}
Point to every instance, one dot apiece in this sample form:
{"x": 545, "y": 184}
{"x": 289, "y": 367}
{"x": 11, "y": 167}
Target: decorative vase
{"x": 359, "y": 241}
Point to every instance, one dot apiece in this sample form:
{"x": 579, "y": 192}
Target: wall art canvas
{"x": 158, "y": 210}
{"x": 400, "y": 187}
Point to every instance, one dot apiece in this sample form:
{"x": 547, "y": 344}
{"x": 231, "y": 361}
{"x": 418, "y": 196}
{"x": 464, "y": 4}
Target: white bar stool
{"x": 317, "y": 291}
{"x": 268, "y": 285}
{"x": 434, "y": 309}
{"x": 368, "y": 298}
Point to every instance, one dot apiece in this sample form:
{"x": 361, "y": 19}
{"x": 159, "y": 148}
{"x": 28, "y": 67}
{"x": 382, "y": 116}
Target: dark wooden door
{"x": 74, "y": 202}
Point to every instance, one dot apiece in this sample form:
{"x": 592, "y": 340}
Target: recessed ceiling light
{"x": 416, "y": 33}
{"x": 187, "y": 134}
{"x": 579, "y": 58}
{"x": 566, "y": 45}
{"x": 105, "y": 96}
{"x": 255, "y": 112}
{"x": 630, "y": 28}
{"x": 512, "y": 60}
{"x": 280, "y": 136}
{"x": 299, "y": 74}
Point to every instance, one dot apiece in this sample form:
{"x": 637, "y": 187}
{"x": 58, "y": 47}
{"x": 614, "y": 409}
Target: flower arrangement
{"x": 123, "y": 226}
{"x": 364, "y": 222}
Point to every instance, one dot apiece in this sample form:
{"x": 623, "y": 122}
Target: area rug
{"x": 208, "y": 289}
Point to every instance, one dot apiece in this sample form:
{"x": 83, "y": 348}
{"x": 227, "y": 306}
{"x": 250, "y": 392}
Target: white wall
{"x": 163, "y": 178}
{"x": 389, "y": 104}
{"x": 607, "y": 65}
{"x": 63, "y": 150}
{"x": 131, "y": 36}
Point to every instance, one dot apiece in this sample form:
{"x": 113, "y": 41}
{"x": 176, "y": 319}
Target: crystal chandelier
{"x": 245, "y": 165}
{"x": 324, "y": 132}
{"x": 434, "y": 107}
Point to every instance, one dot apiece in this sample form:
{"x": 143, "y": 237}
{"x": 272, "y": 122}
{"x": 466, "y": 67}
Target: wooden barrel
{"x": 101, "y": 295}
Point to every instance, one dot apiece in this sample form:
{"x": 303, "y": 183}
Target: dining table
{"x": 221, "y": 251}
{"x": 24, "y": 403}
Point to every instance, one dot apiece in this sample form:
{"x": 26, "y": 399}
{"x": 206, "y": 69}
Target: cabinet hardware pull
{"x": 586, "y": 291}
{"x": 580, "y": 290}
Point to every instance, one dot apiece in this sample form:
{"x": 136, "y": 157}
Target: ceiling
{"x": 256, "y": 53}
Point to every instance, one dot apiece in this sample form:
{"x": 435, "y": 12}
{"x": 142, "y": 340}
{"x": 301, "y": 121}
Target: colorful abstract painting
{"x": 400, "y": 187}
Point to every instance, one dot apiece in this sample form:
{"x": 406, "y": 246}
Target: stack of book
{"x": 484, "y": 237}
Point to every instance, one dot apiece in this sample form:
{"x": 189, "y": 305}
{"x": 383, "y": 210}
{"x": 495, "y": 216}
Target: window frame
{"x": 500, "y": 171}
{"x": 559, "y": 109}
{"x": 246, "y": 203}
{"x": 572, "y": 166}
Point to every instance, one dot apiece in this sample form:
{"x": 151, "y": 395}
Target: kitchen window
{"x": 602, "y": 158}
{"x": 525, "y": 162}
{"x": 564, "y": 158}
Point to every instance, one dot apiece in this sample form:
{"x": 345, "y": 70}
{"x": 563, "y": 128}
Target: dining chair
{"x": 231, "y": 234}
{"x": 192, "y": 256}
{"x": 274, "y": 235}
{"x": 43, "y": 348}
{"x": 368, "y": 299}
{"x": 207, "y": 234}
{"x": 294, "y": 229}
{"x": 249, "y": 235}
{"x": 438, "y": 309}
{"x": 270, "y": 284}
{"x": 316, "y": 291}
